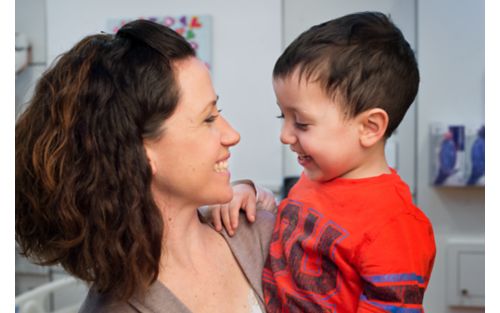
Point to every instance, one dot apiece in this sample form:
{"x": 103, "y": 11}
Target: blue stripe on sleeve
{"x": 393, "y": 278}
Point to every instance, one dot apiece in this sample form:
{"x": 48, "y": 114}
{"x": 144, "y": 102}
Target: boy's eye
{"x": 281, "y": 116}
{"x": 301, "y": 126}
{"x": 213, "y": 117}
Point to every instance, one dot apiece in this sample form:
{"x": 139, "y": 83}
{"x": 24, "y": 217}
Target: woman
{"x": 119, "y": 147}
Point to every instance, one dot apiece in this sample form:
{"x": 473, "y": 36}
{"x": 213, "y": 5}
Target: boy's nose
{"x": 286, "y": 136}
{"x": 230, "y": 136}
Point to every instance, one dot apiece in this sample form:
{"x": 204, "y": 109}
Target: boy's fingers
{"x": 216, "y": 218}
{"x": 250, "y": 210}
{"x": 226, "y": 219}
{"x": 234, "y": 212}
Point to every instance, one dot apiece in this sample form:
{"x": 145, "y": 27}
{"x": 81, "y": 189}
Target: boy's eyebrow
{"x": 295, "y": 110}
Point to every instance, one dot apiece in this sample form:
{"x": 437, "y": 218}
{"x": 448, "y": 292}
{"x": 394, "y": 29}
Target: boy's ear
{"x": 373, "y": 124}
{"x": 150, "y": 156}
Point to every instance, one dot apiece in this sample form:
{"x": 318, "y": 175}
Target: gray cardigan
{"x": 249, "y": 246}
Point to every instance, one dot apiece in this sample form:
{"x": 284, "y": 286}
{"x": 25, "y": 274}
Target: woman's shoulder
{"x": 250, "y": 246}
{"x": 158, "y": 299}
{"x": 250, "y": 240}
{"x": 261, "y": 229}
{"x": 98, "y": 303}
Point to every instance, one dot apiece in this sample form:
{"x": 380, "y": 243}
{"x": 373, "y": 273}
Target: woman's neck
{"x": 186, "y": 240}
{"x": 197, "y": 265}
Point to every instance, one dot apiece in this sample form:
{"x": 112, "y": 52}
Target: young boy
{"x": 348, "y": 237}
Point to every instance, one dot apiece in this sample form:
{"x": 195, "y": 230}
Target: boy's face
{"x": 325, "y": 140}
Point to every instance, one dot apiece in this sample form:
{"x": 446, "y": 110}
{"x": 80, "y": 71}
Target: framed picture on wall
{"x": 197, "y": 29}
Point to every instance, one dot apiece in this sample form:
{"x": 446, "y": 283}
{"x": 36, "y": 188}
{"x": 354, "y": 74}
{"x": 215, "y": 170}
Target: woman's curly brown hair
{"x": 83, "y": 195}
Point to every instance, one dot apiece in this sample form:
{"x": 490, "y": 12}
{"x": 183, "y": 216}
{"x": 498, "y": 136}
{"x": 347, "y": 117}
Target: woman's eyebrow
{"x": 209, "y": 106}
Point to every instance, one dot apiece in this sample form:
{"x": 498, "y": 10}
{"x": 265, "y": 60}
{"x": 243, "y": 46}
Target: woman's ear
{"x": 373, "y": 126}
{"x": 150, "y": 156}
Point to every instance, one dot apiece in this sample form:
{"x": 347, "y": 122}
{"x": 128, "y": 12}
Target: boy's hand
{"x": 244, "y": 198}
{"x": 245, "y": 195}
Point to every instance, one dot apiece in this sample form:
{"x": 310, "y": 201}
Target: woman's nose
{"x": 230, "y": 136}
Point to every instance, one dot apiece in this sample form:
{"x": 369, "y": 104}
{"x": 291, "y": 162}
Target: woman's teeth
{"x": 221, "y": 166}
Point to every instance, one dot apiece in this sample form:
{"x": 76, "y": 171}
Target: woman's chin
{"x": 225, "y": 196}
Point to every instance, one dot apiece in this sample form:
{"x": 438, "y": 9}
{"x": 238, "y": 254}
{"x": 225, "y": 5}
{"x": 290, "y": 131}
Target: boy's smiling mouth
{"x": 304, "y": 159}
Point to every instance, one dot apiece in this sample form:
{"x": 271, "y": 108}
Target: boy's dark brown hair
{"x": 83, "y": 195}
{"x": 361, "y": 57}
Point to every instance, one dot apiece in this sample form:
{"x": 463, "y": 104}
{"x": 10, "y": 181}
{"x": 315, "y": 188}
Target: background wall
{"x": 248, "y": 37}
{"x": 31, "y": 21}
{"x": 451, "y": 57}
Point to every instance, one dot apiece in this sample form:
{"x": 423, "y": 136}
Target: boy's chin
{"x": 317, "y": 176}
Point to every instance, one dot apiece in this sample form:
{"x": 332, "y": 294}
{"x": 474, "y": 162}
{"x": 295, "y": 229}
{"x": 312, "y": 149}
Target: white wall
{"x": 451, "y": 59}
{"x": 30, "y": 19}
{"x": 246, "y": 42}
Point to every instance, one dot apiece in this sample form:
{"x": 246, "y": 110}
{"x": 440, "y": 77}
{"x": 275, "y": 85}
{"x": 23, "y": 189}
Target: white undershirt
{"x": 252, "y": 303}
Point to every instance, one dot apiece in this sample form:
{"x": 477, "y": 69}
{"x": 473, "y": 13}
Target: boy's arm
{"x": 247, "y": 197}
{"x": 396, "y": 266}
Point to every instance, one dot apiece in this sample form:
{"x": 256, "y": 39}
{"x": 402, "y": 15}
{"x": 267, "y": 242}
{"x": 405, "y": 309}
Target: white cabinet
{"x": 466, "y": 280}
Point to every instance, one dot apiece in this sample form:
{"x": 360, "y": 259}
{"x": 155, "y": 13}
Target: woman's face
{"x": 189, "y": 160}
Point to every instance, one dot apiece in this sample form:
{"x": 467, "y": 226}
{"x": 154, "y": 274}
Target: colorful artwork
{"x": 195, "y": 28}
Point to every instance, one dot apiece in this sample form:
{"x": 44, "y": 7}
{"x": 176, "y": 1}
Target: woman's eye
{"x": 212, "y": 118}
{"x": 281, "y": 116}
